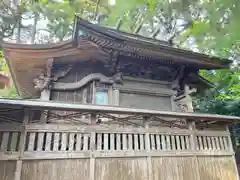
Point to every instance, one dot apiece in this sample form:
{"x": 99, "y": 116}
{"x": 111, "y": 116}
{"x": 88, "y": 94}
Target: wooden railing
{"x": 67, "y": 141}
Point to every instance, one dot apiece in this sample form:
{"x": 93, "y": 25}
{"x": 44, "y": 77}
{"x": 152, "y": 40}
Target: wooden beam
{"x": 36, "y": 104}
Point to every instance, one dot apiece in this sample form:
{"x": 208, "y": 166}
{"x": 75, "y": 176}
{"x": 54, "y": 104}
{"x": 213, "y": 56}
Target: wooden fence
{"x": 101, "y": 152}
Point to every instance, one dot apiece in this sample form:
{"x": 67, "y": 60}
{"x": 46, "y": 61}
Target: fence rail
{"x": 69, "y": 141}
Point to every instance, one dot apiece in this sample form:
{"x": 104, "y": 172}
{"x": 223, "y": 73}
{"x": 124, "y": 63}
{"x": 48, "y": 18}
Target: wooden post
{"x": 92, "y": 149}
{"x": 115, "y": 98}
{"x": 148, "y": 149}
{"x": 18, "y": 171}
{"x": 232, "y": 150}
{"x": 192, "y": 128}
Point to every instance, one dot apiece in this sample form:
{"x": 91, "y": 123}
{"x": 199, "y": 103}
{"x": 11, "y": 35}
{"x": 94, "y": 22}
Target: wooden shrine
{"x": 109, "y": 105}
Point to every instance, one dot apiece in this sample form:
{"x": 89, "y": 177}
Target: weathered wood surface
{"x": 96, "y": 152}
{"x": 7, "y": 169}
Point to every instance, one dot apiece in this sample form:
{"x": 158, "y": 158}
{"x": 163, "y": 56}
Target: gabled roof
{"x": 145, "y": 47}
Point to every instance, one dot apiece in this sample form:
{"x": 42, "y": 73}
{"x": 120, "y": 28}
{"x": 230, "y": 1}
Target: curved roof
{"x": 26, "y": 62}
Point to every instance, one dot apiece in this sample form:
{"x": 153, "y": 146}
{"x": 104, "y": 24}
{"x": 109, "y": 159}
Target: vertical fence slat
{"x": 163, "y": 142}
{"x": 71, "y": 141}
{"x": 205, "y": 142}
{"x": 142, "y": 142}
{"x": 158, "y": 142}
{"x": 221, "y": 143}
{"x": 209, "y": 145}
{"x": 14, "y": 140}
{"x": 64, "y": 142}
{"x": 124, "y": 139}
{"x": 56, "y": 141}
{"x": 112, "y": 141}
{"x": 48, "y": 141}
{"x": 105, "y": 139}
{"x": 178, "y": 143}
{"x": 40, "y": 141}
{"x": 99, "y": 141}
{"x": 173, "y": 142}
{"x": 4, "y": 143}
{"x": 200, "y": 142}
{"x": 86, "y": 139}
{"x": 79, "y": 142}
{"x": 118, "y": 141}
{"x": 212, "y": 140}
{"x": 187, "y": 142}
{"x": 136, "y": 144}
{"x": 217, "y": 143}
{"x": 152, "y": 141}
{"x": 168, "y": 142}
{"x": 31, "y": 141}
{"x": 130, "y": 142}
{"x": 225, "y": 141}
{"x": 183, "y": 144}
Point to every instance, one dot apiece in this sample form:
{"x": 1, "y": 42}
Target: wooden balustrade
{"x": 61, "y": 141}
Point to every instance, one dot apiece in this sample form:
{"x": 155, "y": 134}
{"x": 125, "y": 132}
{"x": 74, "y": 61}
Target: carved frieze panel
{"x": 146, "y": 69}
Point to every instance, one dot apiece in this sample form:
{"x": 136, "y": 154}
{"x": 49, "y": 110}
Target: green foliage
{"x": 8, "y": 93}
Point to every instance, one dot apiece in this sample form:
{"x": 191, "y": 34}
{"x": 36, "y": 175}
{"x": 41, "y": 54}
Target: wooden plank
{"x": 178, "y": 143}
{"x": 4, "y": 143}
{"x": 168, "y": 142}
{"x": 48, "y": 141}
{"x": 99, "y": 141}
{"x": 158, "y": 142}
{"x": 118, "y": 141}
{"x": 31, "y": 142}
{"x": 86, "y": 139}
{"x": 217, "y": 143}
{"x": 221, "y": 143}
{"x": 225, "y": 142}
{"x": 183, "y": 143}
{"x": 105, "y": 140}
{"x": 212, "y": 139}
{"x": 200, "y": 143}
{"x": 56, "y": 141}
{"x": 152, "y": 141}
{"x": 71, "y": 141}
{"x": 141, "y": 141}
{"x": 136, "y": 144}
{"x": 22, "y": 143}
{"x": 64, "y": 142}
{"x": 120, "y": 154}
{"x": 115, "y": 110}
{"x": 100, "y": 129}
{"x": 209, "y": 144}
{"x": 173, "y": 142}
{"x": 112, "y": 141}
{"x": 187, "y": 142}
{"x": 205, "y": 142}
{"x": 130, "y": 142}
{"x": 92, "y": 158}
{"x": 164, "y": 145}
{"x": 124, "y": 139}
{"x": 14, "y": 140}
{"x": 40, "y": 141}
{"x": 79, "y": 142}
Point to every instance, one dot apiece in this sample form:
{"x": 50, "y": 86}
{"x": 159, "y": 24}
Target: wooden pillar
{"x": 193, "y": 146}
{"x": 18, "y": 170}
{"x": 116, "y": 97}
{"x": 232, "y": 150}
{"x": 92, "y": 149}
{"x": 148, "y": 149}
